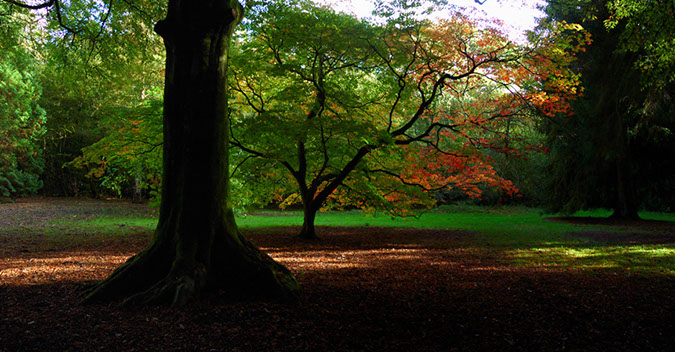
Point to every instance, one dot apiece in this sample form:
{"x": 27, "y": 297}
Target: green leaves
{"x": 98, "y": 62}
{"x": 130, "y": 154}
{"x": 648, "y": 32}
{"x": 21, "y": 118}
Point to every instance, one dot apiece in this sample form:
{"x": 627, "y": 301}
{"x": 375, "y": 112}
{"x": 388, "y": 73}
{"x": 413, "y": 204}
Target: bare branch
{"x": 240, "y": 164}
{"x": 436, "y": 125}
{"x": 43, "y": 5}
{"x": 408, "y": 183}
{"x": 57, "y": 7}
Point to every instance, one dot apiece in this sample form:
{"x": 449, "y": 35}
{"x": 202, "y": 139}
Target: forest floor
{"x": 364, "y": 289}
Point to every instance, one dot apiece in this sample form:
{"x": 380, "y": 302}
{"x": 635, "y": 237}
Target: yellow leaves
{"x": 538, "y": 98}
{"x": 572, "y": 26}
{"x": 293, "y": 198}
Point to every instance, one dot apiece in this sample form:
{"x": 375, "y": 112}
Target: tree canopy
{"x": 392, "y": 112}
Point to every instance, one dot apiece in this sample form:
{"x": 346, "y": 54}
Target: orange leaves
{"x": 458, "y": 46}
{"x": 412, "y": 177}
{"x": 470, "y": 60}
{"x": 550, "y": 104}
{"x": 554, "y": 83}
{"x": 468, "y": 173}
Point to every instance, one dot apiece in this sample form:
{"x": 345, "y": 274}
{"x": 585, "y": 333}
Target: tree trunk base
{"x": 308, "y": 236}
{"x": 618, "y": 215}
{"x": 160, "y": 275}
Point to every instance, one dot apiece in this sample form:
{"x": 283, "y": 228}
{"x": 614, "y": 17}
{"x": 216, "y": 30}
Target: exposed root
{"x": 259, "y": 275}
{"x": 135, "y": 275}
{"x": 173, "y": 290}
{"x": 160, "y": 276}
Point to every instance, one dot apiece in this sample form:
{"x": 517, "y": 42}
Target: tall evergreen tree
{"x": 603, "y": 155}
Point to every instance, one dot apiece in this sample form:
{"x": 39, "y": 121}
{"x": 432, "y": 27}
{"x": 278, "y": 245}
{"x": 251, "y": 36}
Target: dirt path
{"x": 32, "y": 212}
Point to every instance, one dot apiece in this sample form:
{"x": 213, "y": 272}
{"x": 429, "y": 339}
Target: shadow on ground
{"x": 365, "y": 289}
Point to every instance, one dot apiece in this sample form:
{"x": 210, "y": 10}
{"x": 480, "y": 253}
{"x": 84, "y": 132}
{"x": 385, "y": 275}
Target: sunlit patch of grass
{"x": 486, "y": 219}
{"x": 649, "y": 260}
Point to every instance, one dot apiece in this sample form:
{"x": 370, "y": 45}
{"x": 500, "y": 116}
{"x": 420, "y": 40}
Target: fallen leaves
{"x": 364, "y": 289}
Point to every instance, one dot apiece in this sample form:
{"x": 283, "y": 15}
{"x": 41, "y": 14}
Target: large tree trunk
{"x": 196, "y": 244}
{"x": 137, "y": 196}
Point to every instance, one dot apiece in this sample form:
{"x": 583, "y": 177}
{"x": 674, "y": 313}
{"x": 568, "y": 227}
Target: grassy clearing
{"x": 521, "y": 236}
{"x": 110, "y": 226}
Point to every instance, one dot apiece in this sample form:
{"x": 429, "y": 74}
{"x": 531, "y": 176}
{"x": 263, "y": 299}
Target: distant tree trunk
{"x": 624, "y": 208}
{"x": 137, "y": 196}
{"x": 196, "y": 244}
{"x": 308, "y": 231}
{"x": 625, "y": 204}
{"x": 312, "y": 198}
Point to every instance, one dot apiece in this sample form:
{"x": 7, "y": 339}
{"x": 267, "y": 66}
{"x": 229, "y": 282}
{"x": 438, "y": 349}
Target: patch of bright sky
{"x": 517, "y": 15}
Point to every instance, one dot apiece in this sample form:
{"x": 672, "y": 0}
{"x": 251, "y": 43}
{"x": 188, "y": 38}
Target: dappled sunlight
{"x": 653, "y": 252}
{"x": 366, "y": 258}
{"x": 82, "y": 266}
{"x": 491, "y": 268}
{"x": 67, "y": 267}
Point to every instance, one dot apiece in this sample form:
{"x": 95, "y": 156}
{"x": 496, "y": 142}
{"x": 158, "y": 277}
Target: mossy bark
{"x": 196, "y": 245}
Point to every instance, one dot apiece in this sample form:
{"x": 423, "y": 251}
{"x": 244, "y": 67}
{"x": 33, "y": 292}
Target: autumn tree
{"x": 383, "y": 110}
{"x": 197, "y": 244}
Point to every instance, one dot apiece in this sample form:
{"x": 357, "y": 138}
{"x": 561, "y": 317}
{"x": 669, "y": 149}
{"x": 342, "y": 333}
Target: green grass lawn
{"x": 520, "y": 236}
